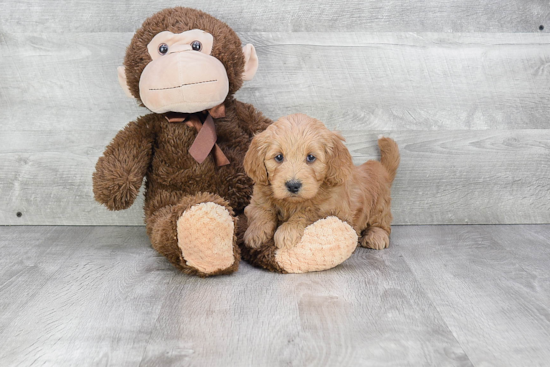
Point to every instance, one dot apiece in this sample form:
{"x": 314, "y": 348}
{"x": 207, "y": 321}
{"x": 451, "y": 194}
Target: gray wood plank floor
{"x": 439, "y": 296}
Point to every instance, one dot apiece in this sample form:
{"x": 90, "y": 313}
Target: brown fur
{"x": 263, "y": 257}
{"x": 331, "y": 185}
{"x": 226, "y": 48}
{"x": 152, "y": 147}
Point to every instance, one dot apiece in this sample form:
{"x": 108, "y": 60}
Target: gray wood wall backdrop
{"x": 461, "y": 85}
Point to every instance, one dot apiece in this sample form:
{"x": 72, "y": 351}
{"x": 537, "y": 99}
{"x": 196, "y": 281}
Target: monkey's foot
{"x": 206, "y": 236}
{"x": 324, "y": 245}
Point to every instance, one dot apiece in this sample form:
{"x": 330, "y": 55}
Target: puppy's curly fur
{"x": 303, "y": 172}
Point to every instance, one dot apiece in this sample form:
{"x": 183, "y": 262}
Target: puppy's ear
{"x": 339, "y": 161}
{"x": 254, "y": 165}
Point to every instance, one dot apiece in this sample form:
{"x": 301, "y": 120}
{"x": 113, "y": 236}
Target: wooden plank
{"x": 63, "y": 82}
{"x": 484, "y": 292}
{"x": 369, "y": 312}
{"x": 404, "y": 81}
{"x": 439, "y": 296}
{"x": 529, "y": 245}
{"x": 445, "y": 177}
{"x": 286, "y": 15}
{"x": 97, "y": 309}
{"x": 379, "y": 81}
{"x": 466, "y": 177}
{"x": 47, "y": 177}
{"x": 30, "y": 257}
{"x": 60, "y": 107}
{"x": 104, "y": 307}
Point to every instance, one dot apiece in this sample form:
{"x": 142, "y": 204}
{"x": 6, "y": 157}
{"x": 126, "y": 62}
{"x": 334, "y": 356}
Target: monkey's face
{"x": 184, "y": 60}
{"x": 183, "y": 76}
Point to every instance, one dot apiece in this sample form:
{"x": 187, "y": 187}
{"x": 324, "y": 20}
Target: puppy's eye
{"x": 310, "y": 158}
{"x": 279, "y": 158}
{"x": 163, "y": 48}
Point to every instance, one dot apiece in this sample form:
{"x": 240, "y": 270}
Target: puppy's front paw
{"x": 255, "y": 237}
{"x": 287, "y": 236}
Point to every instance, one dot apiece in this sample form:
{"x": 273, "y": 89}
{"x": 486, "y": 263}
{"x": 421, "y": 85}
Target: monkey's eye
{"x": 310, "y": 158}
{"x": 163, "y": 48}
{"x": 196, "y": 46}
{"x": 279, "y": 158}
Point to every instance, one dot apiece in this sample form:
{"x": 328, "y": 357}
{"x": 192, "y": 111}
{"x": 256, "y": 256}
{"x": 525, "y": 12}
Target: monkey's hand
{"x": 114, "y": 185}
{"x": 119, "y": 173}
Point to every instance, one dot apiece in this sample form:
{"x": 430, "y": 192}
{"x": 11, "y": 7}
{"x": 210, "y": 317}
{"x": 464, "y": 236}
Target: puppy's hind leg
{"x": 375, "y": 238}
{"x": 376, "y": 234}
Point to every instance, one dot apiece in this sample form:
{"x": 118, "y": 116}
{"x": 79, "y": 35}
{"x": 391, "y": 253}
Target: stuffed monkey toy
{"x": 185, "y": 67}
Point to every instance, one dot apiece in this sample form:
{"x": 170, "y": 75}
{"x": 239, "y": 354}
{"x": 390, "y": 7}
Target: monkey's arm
{"x": 119, "y": 172}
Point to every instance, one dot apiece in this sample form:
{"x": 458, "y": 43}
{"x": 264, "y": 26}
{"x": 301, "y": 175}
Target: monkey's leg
{"x": 325, "y": 244}
{"x": 197, "y": 235}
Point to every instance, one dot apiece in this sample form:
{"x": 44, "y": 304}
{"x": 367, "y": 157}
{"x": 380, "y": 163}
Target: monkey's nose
{"x": 293, "y": 186}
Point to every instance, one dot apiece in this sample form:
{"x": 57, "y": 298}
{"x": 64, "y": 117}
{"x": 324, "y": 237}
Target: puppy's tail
{"x": 389, "y": 153}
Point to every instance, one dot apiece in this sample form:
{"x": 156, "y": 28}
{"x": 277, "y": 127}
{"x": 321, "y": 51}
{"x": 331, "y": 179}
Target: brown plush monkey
{"x": 185, "y": 66}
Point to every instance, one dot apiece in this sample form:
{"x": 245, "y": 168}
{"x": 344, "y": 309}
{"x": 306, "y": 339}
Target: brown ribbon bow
{"x": 206, "y": 137}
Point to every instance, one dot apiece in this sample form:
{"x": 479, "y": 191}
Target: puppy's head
{"x": 296, "y": 156}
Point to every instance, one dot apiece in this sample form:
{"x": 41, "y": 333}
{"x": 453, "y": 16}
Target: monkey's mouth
{"x": 185, "y": 84}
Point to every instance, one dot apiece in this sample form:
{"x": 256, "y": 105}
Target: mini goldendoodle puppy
{"x": 303, "y": 172}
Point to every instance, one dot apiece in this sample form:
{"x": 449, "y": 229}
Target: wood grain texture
{"x": 535, "y": 261}
{"x": 466, "y": 177}
{"x": 114, "y": 302}
{"x": 63, "y": 82}
{"x": 482, "y": 282}
{"x": 405, "y": 81}
{"x": 286, "y": 15}
{"x": 470, "y": 111}
{"x": 439, "y": 296}
{"x": 381, "y": 81}
{"x": 348, "y": 316}
{"x": 29, "y": 259}
{"x": 47, "y": 177}
{"x": 445, "y": 177}
{"x": 97, "y": 308}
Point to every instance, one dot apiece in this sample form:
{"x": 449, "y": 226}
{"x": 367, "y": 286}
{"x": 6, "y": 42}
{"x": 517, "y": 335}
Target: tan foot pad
{"x": 205, "y": 237}
{"x": 325, "y": 244}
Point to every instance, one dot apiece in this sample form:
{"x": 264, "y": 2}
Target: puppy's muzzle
{"x": 293, "y": 186}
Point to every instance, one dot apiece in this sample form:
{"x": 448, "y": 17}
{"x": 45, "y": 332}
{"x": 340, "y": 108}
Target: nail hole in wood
{"x": 19, "y": 214}
{"x": 541, "y": 27}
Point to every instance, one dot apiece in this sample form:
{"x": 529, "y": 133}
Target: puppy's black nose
{"x": 293, "y": 186}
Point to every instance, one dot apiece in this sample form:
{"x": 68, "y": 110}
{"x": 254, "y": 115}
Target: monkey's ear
{"x": 122, "y": 81}
{"x": 250, "y": 62}
{"x": 254, "y": 158}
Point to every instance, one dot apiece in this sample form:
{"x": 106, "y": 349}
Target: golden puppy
{"x": 303, "y": 172}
